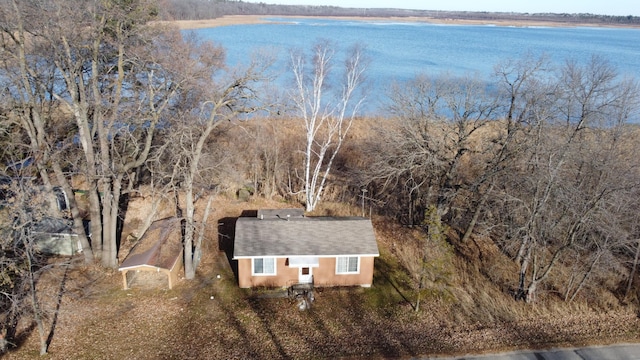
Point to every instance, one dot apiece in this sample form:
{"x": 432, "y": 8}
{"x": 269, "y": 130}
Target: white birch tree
{"x": 328, "y": 107}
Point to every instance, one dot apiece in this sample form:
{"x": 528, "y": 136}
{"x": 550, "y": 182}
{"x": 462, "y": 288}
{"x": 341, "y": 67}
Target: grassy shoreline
{"x": 231, "y": 20}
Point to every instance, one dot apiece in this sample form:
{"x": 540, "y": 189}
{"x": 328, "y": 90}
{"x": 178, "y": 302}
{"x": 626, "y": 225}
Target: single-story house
{"x": 280, "y": 248}
{"x": 158, "y": 251}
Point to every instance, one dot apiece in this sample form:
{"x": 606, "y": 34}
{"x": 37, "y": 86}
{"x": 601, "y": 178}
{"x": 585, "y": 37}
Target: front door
{"x": 305, "y": 275}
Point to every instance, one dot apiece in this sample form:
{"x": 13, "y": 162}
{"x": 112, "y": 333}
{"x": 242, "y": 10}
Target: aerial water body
{"x": 401, "y": 50}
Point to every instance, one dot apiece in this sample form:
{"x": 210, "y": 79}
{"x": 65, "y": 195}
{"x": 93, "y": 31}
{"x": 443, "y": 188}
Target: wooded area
{"x": 542, "y": 161}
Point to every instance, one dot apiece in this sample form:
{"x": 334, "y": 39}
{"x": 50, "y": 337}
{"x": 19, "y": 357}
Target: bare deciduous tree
{"x": 423, "y": 153}
{"x": 521, "y": 92}
{"x": 217, "y": 97}
{"x": 21, "y": 262}
{"x": 116, "y": 79}
{"x": 568, "y": 176}
{"x": 327, "y": 114}
{"x": 31, "y": 74}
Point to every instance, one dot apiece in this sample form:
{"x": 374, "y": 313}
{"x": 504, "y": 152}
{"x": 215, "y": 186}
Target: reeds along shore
{"x": 230, "y": 20}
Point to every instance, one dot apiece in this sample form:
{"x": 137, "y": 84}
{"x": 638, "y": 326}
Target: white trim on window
{"x": 265, "y": 266}
{"x": 347, "y": 265}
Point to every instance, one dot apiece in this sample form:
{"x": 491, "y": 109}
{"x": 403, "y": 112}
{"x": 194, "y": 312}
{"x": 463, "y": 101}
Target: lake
{"x": 400, "y": 50}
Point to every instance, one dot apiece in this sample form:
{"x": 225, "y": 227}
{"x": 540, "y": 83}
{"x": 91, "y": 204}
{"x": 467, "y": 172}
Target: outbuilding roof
{"x": 304, "y": 236}
{"x": 51, "y": 225}
{"x": 160, "y": 246}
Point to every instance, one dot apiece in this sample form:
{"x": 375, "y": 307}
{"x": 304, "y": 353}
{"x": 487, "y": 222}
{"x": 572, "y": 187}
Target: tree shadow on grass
{"x": 61, "y": 292}
{"x": 16, "y": 339}
{"x": 265, "y": 313}
{"x": 370, "y": 334}
{"x": 385, "y": 288}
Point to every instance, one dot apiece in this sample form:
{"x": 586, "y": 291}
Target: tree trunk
{"x": 110, "y": 225}
{"x": 203, "y": 225}
{"x": 78, "y": 223}
{"x": 521, "y": 294}
{"x": 585, "y": 277}
{"x": 634, "y": 267}
{"x": 420, "y": 287}
{"x": 96, "y": 220}
{"x": 92, "y": 177}
{"x": 531, "y": 292}
{"x": 189, "y": 269}
{"x": 33, "y": 297}
{"x": 108, "y": 243}
{"x": 308, "y": 189}
{"x": 476, "y": 214}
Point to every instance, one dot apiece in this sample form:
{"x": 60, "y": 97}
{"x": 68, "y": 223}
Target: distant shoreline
{"x": 231, "y": 20}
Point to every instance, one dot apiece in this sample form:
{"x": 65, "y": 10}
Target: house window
{"x": 347, "y": 265}
{"x": 263, "y": 266}
{"x": 61, "y": 198}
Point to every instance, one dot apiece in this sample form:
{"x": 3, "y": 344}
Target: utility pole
{"x": 364, "y": 191}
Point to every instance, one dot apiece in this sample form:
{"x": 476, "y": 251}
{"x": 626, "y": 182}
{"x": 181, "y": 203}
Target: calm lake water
{"x": 399, "y": 51}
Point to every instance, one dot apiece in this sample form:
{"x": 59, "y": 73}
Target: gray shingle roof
{"x": 50, "y": 225}
{"x": 306, "y": 236}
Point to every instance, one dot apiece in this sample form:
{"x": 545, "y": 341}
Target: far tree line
{"x": 98, "y": 98}
{"x": 211, "y": 9}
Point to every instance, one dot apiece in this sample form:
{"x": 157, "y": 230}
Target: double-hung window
{"x": 347, "y": 265}
{"x": 263, "y": 266}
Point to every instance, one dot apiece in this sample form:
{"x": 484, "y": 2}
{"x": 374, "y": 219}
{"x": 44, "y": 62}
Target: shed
{"x": 159, "y": 251}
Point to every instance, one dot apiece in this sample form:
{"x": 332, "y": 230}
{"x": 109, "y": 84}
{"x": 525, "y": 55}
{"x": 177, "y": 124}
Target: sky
{"x": 600, "y": 7}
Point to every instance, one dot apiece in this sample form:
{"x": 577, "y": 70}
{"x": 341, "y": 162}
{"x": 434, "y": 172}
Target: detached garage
{"x": 157, "y": 258}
